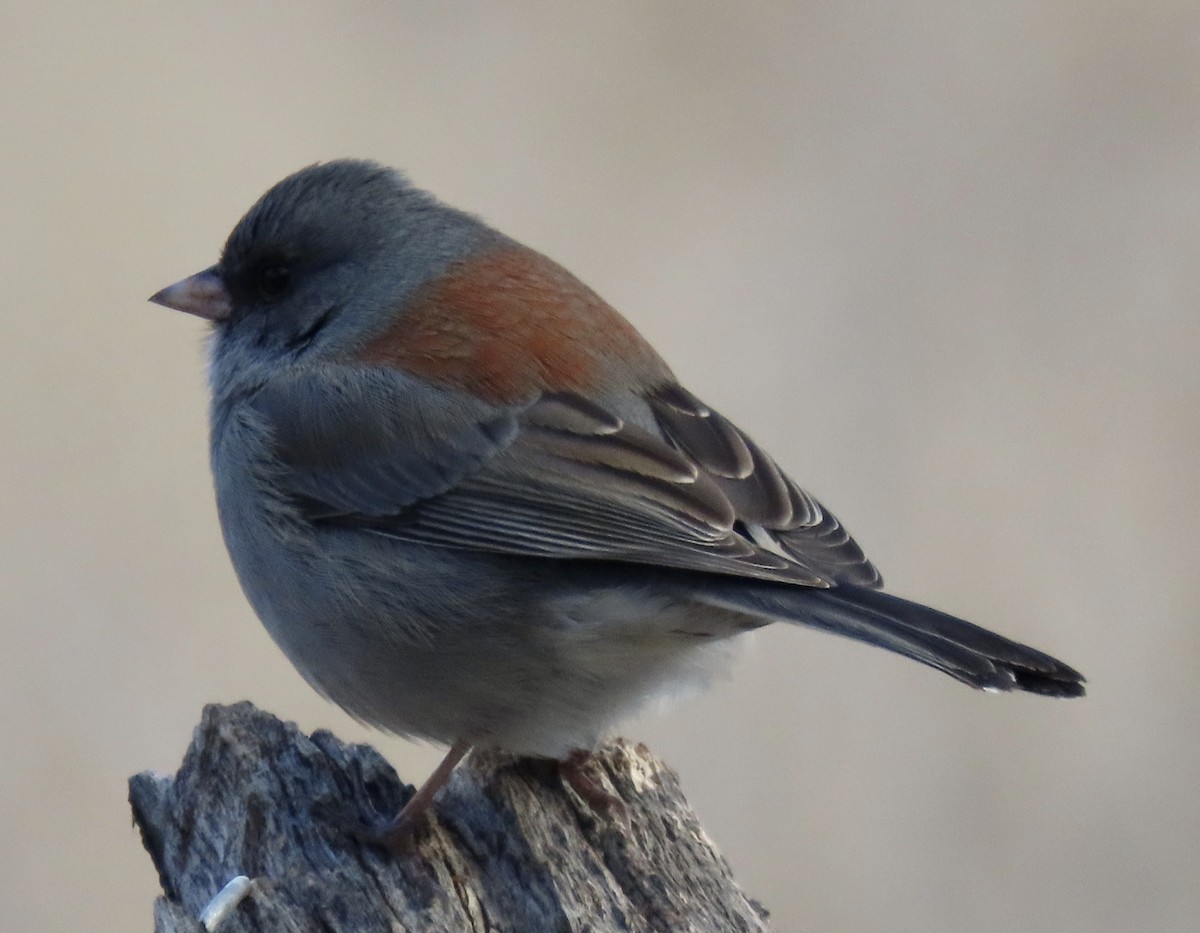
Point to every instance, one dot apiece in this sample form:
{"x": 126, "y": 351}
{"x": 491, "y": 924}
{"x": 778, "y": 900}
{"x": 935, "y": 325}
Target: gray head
{"x": 323, "y": 258}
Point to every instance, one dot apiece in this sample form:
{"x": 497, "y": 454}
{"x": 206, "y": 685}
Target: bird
{"x": 473, "y": 505}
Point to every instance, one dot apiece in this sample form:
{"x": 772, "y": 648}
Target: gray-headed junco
{"x": 473, "y": 505}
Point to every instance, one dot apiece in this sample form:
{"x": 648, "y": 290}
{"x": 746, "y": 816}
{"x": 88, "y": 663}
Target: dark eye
{"x": 273, "y": 281}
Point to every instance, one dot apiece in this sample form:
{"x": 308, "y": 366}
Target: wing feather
{"x": 562, "y": 477}
{"x": 763, "y": 496}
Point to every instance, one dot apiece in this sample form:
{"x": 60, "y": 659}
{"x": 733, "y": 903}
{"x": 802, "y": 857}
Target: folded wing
{"x": 561, "y": 478}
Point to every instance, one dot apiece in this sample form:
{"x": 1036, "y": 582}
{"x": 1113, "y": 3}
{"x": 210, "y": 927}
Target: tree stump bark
{"x": 509, "y": 847}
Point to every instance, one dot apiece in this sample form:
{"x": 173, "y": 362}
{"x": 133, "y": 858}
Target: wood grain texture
{"x": 510, "y": 847}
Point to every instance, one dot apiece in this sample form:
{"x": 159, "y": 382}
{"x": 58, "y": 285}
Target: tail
{"x": 966, "y": 652}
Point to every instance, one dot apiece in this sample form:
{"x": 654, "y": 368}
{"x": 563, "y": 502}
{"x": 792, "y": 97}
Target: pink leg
{"x": 397, "y": 835}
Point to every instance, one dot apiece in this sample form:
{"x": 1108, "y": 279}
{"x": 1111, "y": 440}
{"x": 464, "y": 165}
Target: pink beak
{"x": 203, "y": 294}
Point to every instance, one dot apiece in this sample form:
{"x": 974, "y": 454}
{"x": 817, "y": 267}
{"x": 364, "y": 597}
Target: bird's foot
{"x": 574, "y": 771}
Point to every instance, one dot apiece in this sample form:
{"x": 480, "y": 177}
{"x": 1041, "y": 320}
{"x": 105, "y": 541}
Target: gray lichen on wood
{"x": 509, "y": 848}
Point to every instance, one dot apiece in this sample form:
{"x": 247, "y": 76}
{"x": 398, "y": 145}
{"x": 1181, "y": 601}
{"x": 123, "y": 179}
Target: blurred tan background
{"x": 939, "y": 257}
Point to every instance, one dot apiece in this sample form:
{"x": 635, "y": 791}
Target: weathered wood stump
{"x": 510, "y": 847}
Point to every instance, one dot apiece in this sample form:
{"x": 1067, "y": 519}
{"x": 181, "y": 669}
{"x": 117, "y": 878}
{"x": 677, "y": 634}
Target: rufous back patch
{"x": 511, "y": 323}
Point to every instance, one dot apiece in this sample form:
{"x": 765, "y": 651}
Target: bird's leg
{"x": 572, "y": 770}
{"x": 397, "y": 834}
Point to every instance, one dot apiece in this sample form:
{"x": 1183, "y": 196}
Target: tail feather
{"x": 966, "y": 652}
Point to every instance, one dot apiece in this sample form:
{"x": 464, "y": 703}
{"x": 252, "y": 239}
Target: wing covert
{"x": 561, "y": 477}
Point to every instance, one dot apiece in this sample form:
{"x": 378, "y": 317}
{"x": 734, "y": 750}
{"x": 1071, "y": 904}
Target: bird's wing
{"x": 561, "y": 477}
{"x": 371, "y": 443}
{"x": 770, "y": 508}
